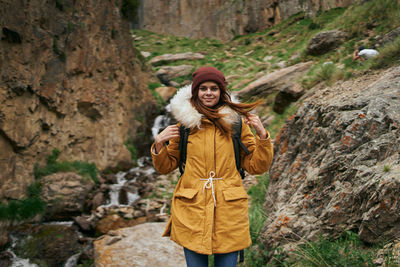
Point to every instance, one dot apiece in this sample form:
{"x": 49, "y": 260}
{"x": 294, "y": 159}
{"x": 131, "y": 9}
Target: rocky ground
{"x": 336, "y": 165}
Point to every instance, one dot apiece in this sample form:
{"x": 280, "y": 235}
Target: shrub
{"x": 16, "y": 210}
{"x": 389, "y": 55}
{"x": 85, "y": 169}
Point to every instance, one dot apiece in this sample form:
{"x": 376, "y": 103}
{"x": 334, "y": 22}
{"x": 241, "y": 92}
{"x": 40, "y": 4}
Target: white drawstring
{"x": 209, "y": 184}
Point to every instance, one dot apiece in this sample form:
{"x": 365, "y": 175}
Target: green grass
{"x": 378, "y": 15}
{"x": 131, "y": 146}
{"x": 242, "y": 58}
{"x": 88, "y": 170}
{"x": 386, "y": 168}
{"x": 389, "y": 56}
{"x": 257, "y": 218}
{"x": 347, "y": 250}
{"x": 17, "y": 210}
{"x": 257, "y": 214}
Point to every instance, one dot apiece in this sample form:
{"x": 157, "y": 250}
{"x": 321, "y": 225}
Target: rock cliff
{"x": 337, "y": 165}
{"x": 71, "y": 80}
{"x": 223, "y": 19}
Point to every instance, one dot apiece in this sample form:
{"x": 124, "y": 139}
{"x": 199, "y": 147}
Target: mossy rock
{"x": 48, "y": 245}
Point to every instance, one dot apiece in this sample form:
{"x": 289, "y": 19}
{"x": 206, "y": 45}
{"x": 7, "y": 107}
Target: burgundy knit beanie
{"x": 204, "y": 74}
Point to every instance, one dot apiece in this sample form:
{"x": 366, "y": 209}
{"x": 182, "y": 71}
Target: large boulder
{"x": 337, "y": 165}
{"x": 47, "y": 245}
{"x": 65, "y": 194}
{"x": 281, "y": 80}
{"x": 167, "y": 73}
{"x": 140, "y": 246}
{"x": 324, "y": 42}
{"x": 159, "y": 60}
{"x": 287, "y": 95}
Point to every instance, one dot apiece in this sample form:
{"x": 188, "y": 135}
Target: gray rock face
{"x": 323, "y": 42}
{"x": 224, "y": 19}
{"x": 337, "y": 165}
{"x": 282, "y": 80}
{"x": 140, "y": 246}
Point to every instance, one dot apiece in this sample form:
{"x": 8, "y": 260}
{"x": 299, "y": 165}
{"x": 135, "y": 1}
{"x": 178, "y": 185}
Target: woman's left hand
{"x": 256, "y": 123}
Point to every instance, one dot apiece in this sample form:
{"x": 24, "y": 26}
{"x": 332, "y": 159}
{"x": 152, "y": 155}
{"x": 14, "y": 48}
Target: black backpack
{"x": 237, "y": 145}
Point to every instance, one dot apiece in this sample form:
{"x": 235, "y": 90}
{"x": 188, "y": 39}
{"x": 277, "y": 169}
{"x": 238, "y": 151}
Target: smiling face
{"x": 209, "y": 94}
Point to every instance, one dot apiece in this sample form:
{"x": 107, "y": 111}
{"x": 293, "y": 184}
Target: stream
{"x": 113, "y": 202}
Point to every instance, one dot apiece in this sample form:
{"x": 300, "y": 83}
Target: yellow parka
{"x": 209, "y": 212}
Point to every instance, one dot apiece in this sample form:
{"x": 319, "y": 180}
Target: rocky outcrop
{"x": 158, "y": 60}
{"x": 324, "y": 42}
{"x": 47, "y": 245}
{"x": 337, "y": 165}
{"x": 141, "y": 245}
{"x": 167, "y": 73}
{"x": 65, "y": 194}
{"x": 224, "y": 19}
{"x": 283, "y": 81}
{"x": 387, "y": 38}
{"x": 71, "y": 80}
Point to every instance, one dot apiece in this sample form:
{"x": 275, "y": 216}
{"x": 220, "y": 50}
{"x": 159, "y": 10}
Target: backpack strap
{"x": 183, "y": 140}
{"x": 238, "y": 144}
{"x": 236, "y": 140}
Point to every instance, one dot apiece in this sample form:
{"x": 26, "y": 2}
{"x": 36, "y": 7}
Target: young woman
{"x": 209, "y": 213}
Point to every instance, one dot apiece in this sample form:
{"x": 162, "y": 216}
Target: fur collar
{"x": 183, "y": 111}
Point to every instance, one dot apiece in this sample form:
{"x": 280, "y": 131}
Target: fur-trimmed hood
{"x": 183, "y": 111}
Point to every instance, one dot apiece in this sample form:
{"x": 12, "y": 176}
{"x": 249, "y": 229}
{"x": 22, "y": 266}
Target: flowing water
{"x": 161, "y": 122}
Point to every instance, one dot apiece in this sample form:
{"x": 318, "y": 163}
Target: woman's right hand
{"x": 167, "y": 134}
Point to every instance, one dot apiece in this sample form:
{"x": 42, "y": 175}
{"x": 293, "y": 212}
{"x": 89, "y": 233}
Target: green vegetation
{"x": 257, "y": 218}
{"x": 88, "y": 170}
{"x": 57, "y": 51}
{"x": 378, "y": 15}
{"x": 130, "y": 145}
{"x": 257, "y": 214}
{"x": 389, "y": 56}
{"x": 386, "y": 168}
{"x": 156, "y": 95}
{"x": 245, "y": 57}
{"x": 17, "y": 210}
{"x": 347, "y": 250}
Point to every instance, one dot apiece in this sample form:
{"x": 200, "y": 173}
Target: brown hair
{"x": 224, "y": 100}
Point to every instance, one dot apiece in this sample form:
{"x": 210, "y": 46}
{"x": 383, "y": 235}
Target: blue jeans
{"x": 194, "y": 259}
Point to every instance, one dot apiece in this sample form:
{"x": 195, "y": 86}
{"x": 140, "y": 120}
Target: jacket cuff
{"x": 160, "y": 153}
{"x": 264, "y": 139}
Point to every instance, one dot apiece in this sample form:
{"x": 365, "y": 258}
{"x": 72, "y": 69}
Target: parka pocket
{"x": 186, "y": 193}
{"x": 234, "y": 193}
